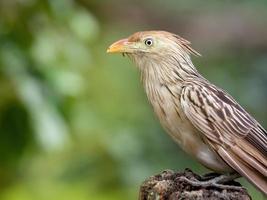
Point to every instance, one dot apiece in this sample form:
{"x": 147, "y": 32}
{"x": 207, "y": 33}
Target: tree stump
{"x": 170, "y": 185}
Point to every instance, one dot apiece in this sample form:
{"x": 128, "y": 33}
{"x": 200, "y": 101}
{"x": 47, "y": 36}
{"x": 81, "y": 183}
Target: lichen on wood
{"x": 170, "y": 185}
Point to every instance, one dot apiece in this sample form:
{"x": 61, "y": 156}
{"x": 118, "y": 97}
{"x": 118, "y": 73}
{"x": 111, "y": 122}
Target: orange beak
{"x": 120, "y": 46}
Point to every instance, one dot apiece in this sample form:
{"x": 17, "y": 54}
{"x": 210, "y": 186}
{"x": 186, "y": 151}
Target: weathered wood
{"x": 170, "y": 185}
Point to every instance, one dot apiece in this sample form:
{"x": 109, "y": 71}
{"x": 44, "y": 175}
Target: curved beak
{"x": 121, "y": 46}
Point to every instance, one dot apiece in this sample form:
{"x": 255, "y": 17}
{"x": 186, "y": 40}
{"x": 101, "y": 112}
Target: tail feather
{"x": 250, "y": 160}
{"x": 246, "y": 168}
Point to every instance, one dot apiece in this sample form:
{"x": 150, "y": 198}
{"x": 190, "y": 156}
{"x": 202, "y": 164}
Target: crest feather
{"x": 186, "y": 45}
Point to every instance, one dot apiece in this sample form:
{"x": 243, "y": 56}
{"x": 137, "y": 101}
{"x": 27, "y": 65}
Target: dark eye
{"x": 149, "y": 42}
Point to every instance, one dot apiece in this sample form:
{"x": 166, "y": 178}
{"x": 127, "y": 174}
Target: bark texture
{"x": 170, "y": 185}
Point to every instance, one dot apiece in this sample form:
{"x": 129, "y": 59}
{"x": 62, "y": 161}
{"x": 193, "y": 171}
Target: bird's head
{"x": 156, "y": 50}
{"x": 152, "y": 44}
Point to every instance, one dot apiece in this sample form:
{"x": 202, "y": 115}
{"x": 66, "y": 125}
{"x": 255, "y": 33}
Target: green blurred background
{"x": 75, "y": 122}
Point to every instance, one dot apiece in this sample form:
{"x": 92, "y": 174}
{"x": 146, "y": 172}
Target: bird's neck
{"x": 167, "y": 72}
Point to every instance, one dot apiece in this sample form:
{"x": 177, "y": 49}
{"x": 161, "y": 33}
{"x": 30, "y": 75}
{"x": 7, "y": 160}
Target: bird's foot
{"x": 209, "y": 176}
{"x": 214, "y": 180}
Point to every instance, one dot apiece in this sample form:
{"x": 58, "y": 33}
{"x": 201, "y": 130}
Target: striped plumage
{"x": 203, "y": 119}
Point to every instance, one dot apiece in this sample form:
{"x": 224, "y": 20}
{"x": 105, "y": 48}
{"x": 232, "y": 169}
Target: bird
{"x": 203, "y": 119}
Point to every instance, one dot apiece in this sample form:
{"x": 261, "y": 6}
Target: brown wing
{"x": 236, "y": 136}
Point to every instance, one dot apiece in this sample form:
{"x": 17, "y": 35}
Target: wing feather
{"x": 236, "y": 136}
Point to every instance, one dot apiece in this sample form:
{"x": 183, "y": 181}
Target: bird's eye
{"x": 149, "y": 42}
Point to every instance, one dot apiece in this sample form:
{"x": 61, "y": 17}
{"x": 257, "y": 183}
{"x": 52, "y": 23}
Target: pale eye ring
{"x": 149, "y": 42}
